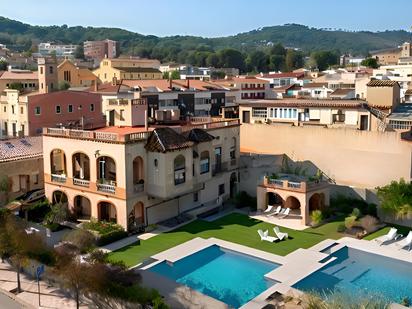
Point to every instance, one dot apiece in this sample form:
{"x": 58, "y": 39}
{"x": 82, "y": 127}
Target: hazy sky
{"x": 212, "y": 17}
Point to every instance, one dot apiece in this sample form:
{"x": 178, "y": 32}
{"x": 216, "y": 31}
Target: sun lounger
{"x": 265, "y": 236}
{"x": 285, "y": 213}
{"x": 276, "y": 212}
{"x": 392, "y": 235}
{"x": 406, "y": 242}
{"x": 269, "y": 209}
{"x": 279, "y": 234}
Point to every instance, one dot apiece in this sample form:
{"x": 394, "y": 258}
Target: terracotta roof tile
{"x": 382, "y": 83}
{"x": 21, "y": 148}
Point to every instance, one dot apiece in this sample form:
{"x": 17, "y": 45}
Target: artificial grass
{"x": 235, "y": 227}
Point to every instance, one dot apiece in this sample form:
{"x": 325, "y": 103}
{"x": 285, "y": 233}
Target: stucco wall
{"x": 355, "y": 158}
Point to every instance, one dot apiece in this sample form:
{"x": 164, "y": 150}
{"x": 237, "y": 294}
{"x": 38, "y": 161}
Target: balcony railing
{"x": 138, "y": 187}
{"x": 301, "y": 186}
{"x": 106, "y": 188}
{"x": 81, "y": 182}
{"x": 58, "y": 178}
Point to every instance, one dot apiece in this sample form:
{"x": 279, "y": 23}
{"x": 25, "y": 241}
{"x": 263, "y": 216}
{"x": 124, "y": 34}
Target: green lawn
{"x": 236, "y": 228}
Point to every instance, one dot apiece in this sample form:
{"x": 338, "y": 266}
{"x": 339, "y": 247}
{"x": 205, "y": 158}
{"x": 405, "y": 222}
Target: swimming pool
{"x": 230, "y": 277}
{"x": 355, "y": 271}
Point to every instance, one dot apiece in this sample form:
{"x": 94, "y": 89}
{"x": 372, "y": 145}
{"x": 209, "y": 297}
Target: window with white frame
{"x": 259, "y": 112}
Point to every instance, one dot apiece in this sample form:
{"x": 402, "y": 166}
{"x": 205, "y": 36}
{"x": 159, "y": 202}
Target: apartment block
{"x": 101, "y": 49}
{"x": 61, "y": 50}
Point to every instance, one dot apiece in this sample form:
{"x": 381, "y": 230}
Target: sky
{"x": 212, "y": 18}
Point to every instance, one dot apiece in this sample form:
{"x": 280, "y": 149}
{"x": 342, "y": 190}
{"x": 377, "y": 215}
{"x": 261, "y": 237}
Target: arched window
{"x": 106, "y": 170}
{"x": 58, "y": 162}
{"x": 233, "y": 151}
{"x": 204, "y": 162}
{"x": 138, "y": 170}
{"x": 179, "y": 169}
{"x": 81, "y": 166}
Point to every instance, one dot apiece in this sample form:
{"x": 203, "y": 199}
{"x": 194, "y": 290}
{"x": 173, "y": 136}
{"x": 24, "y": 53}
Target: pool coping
{"x": 293, "y": 267}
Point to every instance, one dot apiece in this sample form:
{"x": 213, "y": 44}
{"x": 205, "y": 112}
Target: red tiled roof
{"x": 382, "y": 83}
{"x": 282, "y": 75}
{"x": 248, "y": 79}
{"x": 21, "y": 148}
{"x": 18, "y": 75}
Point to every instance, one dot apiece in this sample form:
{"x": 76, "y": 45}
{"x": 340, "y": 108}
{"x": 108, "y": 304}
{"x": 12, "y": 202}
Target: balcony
{"x": 81, "y": 182}
{"x": 107, "y": 186}
{"x": 58, "y": 178}
{"x": 293, "y": 183}
{"x": 220, "y": 168}
{"x": 138, "y": 187}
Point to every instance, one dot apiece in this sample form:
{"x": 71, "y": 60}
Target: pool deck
{"x": 293, "y": 267}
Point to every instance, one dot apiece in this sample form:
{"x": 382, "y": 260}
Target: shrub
{"x": 57, "y": 214}
{"x": 38, "y": 211}
{"x": 82, "y": 239}
{"x": 350, "y": 222}
{"x": 372, "y": 210}
{"x": 102, "y": 227}
{"x": 356, "y": 213}
{"x": 341, "y": 228}
{"x": 369, "y": 223}
{"x": 107, "y": 238}
{"x": 316, "y": 217}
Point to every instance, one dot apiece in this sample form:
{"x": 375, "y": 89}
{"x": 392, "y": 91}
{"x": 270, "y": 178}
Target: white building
{"x": 60, "y": 49}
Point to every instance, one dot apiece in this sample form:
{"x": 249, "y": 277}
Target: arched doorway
{"x": 317, "y": 202}
{"x": 274, "y": 199}
{"x": 138, "y": 174}
{"x": 233, "y": 182}
{"x": 136, "y": 217}
{"x": 107, "y": 212}
{"x": 179, "y": 167}
{"x": 82, "y": 208}
{"x": 292, "y": 203}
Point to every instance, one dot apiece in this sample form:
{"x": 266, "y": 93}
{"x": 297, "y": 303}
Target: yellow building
{"x": 77, "y": 77}
{"x": 127, "y": 68}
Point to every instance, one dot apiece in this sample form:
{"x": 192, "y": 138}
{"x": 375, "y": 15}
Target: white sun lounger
{"x": 265, "y": 236}
{"x": 406, "y": 242}
{"x": 285, "y": 213}
{"x": 392, "y": 235}
{"x": 280, "y": 234}
{"x": 269, "y": 209}
{"x": 276, "y": 212}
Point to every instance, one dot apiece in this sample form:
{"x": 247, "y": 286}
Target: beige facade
{"x": 13, "y": 114}
{"x": 110, "y": 175}
{"x": 127, "y": 68}
{"x": 47, "y": 73}
{"x": 383, "y": 94}
{"x": 28, "y": 80}
{"x": 362, "y": 159}
{"x": 73, "y": 75}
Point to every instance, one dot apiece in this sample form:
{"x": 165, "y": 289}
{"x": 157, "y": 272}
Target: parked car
{"x": 31, "y": 196}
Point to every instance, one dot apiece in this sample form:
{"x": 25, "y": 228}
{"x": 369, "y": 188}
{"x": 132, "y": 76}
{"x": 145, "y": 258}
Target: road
{"x": 8, "y": 303}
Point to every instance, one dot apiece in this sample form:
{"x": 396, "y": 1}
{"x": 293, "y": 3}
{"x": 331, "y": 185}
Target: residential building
{"x": 74, "y": 75}
{"x": 349, "y": 60}
{"x": 401, "y": 118}
{"x": 399, "y": 73}
{"x": 21, "y": 166}
{"x": 315, "y": 91}
{"x": 343, "y": 94}
{"x": 26, "y": 115}
{"x": 101, "y": 49}
{"x": 283, "y": 79}
{"x": 61, "y": 50}
{"x": 191, "y": 72}
{"x": 178, "y": 98}
{"x": 142, "y": 175}
{"x": 247, "y": 87}
{"x": 127, "y": 68}
{"x": 29, "y": 80}
{"x": 350, "y": 114}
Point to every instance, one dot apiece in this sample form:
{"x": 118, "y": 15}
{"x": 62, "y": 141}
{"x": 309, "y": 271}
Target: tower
{"x": 47, "y": 71}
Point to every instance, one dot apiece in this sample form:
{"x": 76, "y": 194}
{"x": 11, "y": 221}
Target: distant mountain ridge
{"x": 21, "y": 35}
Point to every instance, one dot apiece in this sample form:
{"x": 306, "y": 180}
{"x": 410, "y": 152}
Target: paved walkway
{"x": 50, "y": 297}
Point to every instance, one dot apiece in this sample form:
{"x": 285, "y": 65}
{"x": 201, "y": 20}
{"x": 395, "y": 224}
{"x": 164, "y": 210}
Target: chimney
{"x": 95, "y": 86}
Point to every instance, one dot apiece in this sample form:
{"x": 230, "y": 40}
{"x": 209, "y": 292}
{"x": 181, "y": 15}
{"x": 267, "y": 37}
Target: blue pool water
{"x": 356, "y": 271}
{"x": 230, "y": 277}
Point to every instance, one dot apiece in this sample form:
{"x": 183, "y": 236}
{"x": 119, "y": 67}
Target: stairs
{"x": 379, "y": 114}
